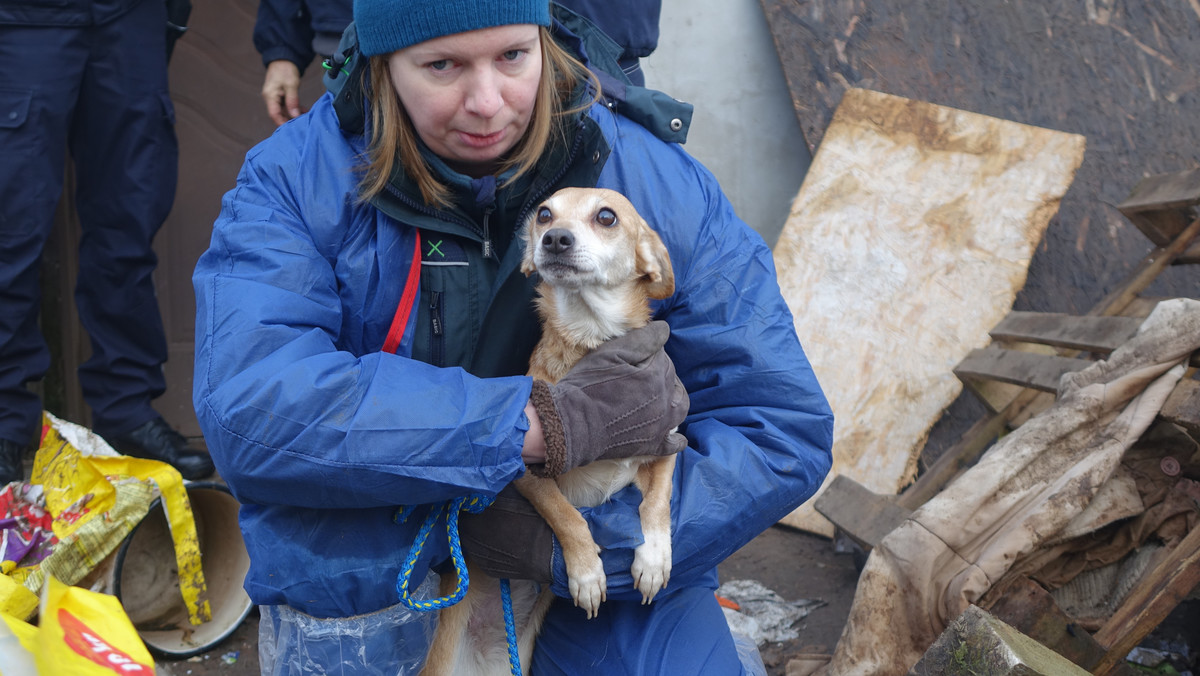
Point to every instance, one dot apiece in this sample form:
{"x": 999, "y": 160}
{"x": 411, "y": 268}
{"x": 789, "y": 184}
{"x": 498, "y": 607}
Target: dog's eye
{"x": 544, "y": 215}
{"x": 606, "y": 217}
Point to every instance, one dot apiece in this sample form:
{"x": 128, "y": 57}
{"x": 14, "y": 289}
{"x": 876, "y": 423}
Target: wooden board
{"x": 1039, "y": 371}
{"x": 907, "y": 242}
{"x": 862, "y": 515}
{"x": 1095, "y": 334}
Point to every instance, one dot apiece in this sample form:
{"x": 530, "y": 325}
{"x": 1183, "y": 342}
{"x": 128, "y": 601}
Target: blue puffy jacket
{"x": 321, "y": 435}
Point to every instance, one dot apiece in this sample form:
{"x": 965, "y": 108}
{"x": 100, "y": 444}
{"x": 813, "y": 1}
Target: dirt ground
{"x": 794, "y": 564}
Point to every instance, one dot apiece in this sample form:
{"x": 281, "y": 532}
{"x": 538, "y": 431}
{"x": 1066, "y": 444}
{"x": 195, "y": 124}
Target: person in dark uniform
{"x": 88, "y": 77}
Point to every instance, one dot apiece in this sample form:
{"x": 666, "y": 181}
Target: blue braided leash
{"x": 473, "y": 504}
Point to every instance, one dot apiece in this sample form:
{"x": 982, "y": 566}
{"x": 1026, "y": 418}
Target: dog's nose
{"x": 557, "y": 240}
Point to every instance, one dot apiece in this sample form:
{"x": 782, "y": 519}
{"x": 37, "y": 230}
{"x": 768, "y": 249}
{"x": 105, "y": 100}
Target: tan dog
{"x": 600, "y": 264}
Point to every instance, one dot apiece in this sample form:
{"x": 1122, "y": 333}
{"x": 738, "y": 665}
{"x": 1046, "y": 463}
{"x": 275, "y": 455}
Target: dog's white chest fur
{"x": 592, "y": 485}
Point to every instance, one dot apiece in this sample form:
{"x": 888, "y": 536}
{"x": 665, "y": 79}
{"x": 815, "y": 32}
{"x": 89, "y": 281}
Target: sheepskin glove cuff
{"x": 509, "y": 540}
{"x": 620, "y": 400}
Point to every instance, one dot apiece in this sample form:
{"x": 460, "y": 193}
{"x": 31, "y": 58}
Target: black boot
{"x": 11, "y": 456}
{"x": 156, "y": 440}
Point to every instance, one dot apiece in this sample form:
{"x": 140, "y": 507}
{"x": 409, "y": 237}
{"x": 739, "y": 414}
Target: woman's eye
{"x": 606, "y": 217}
{"x": 513, "y": 54}
{"x": 544, "y": 215}
{"x": 440, "y": 65}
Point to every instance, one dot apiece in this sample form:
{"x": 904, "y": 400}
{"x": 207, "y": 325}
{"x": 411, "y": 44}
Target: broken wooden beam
{"x": 1182, "y": 407}
{"x": 978, "y": 643}
{"x": 1087, "y": 333}
{"x": 862, "y": 514}
{"x": 1161, "y": 206}
{"x": 1039, "y": 371}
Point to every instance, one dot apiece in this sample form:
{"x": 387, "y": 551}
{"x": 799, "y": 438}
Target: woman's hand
{"x": 620, "y": 400}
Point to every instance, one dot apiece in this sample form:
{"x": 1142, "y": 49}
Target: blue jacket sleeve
{"x": 760, "y": 430}
{"x": 293, "y": 410}
{"x": 283, "y": 30}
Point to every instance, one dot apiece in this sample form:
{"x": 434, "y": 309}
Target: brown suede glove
{"x": 509, "y": 539}
{"x": 620, "y": 400}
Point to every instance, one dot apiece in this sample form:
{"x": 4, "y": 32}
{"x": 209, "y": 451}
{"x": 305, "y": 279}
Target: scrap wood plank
{"x": 1182, "y": 407}
{"x": 862, "y": 514}
{"x": 1043, "y": 371}
{"x": 1039, "y": 371}
{"x": 1093, "y": 334}
{"x": 1161, "y": 206}
{"x": 1149, "y": 603}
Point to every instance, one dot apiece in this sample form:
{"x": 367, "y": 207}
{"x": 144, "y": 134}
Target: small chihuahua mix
{"x": 599, "y": 264}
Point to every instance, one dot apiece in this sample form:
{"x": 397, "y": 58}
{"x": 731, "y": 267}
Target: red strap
{"x": 404, "y": 309}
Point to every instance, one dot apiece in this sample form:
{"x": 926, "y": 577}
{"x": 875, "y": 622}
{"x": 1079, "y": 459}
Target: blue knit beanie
{"x": 387, "y": 25}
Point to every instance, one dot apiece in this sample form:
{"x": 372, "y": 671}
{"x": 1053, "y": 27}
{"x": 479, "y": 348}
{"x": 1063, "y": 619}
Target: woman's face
{"x": 470, "y": 95}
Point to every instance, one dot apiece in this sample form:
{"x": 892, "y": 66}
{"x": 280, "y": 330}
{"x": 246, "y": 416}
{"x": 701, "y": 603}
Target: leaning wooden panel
{"x": 907, "y": 242}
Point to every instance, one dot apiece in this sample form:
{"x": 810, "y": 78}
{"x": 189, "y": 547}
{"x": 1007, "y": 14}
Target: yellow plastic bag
{"x": 18, "y": 642}
{"x": 97, "y": 497}
{"x": 86, "y": 633}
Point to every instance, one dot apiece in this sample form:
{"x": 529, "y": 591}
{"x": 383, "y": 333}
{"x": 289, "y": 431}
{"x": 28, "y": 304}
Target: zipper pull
{"x": 488, "y": 250}
{"x": 435, "y": 313}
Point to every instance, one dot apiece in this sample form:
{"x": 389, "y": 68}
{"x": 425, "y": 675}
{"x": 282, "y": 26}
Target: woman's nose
{"x": 484, "y": 96}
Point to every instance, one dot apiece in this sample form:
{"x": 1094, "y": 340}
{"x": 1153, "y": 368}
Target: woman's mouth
{"x": 481, "y": 140}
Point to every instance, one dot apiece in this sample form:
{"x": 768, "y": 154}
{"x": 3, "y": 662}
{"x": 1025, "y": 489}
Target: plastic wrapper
{"x": 390, "y": 642}
{"x": 748, "y": 655}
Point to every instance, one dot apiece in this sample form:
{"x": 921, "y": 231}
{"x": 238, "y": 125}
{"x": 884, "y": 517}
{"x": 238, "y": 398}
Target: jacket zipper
{"x": 489, "y": 251}
{"x": 437, "y": 339}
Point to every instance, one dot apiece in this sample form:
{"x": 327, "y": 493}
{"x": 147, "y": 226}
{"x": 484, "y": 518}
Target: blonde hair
{"x": 393, "y": 137}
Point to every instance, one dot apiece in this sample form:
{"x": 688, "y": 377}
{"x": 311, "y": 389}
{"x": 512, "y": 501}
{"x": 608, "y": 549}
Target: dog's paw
{"x": 588, "y": 584}
{"x": 652, "y": 565}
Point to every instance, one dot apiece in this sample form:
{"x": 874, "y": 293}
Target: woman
{"x": 363, "y": 328}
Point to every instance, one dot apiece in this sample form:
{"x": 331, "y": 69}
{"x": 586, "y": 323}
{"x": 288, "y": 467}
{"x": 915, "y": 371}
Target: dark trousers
{"x": 99, "y": 91}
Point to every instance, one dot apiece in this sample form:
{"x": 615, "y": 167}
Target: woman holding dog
{"x": 363, "y": 330}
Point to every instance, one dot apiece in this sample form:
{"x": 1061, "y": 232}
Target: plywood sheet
{"x": 909, "y": 239}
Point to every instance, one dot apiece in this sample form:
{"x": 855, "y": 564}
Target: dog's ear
{"x": 527, "y": 266}
{"x": 654, "y": 263}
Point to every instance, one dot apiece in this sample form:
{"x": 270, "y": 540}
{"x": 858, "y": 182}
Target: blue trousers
{"x": 99, "y": 92}
{"x": 682, "y": 634}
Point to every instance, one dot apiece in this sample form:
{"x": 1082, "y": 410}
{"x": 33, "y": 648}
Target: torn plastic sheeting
{"x": 764, "y": 615}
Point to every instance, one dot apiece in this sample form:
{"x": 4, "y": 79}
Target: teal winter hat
{"x": 387, "y": 25}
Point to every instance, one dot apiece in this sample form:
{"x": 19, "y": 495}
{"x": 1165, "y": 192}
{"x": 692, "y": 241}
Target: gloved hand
{"x": 620, "y": 400}
{"x": 509, "y": 539}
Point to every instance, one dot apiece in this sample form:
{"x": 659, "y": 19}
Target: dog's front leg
{"x": 584, "y": 569}
{"x": 652, "y": 559}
